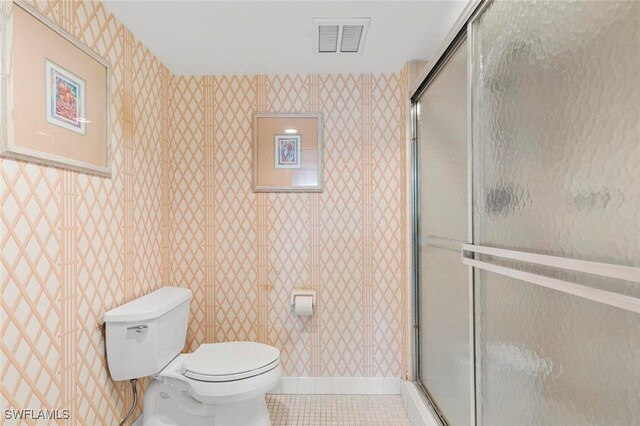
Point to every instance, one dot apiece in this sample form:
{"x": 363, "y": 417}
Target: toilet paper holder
{"x": 297, "y": 293}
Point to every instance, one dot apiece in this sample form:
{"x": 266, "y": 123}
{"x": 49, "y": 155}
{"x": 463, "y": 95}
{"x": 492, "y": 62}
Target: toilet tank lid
{"x": 150, "y": 306}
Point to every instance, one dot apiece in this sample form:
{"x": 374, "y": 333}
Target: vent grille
{"x": 351, "y": 36}
{"x": 340, "y": 35}
{"x": 328, "y": 38}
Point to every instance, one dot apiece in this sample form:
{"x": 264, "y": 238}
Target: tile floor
{"x": 339, "y": 410}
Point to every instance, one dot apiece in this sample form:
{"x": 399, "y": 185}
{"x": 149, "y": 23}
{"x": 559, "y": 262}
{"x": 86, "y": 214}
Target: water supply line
{"x": 134, "y": 389}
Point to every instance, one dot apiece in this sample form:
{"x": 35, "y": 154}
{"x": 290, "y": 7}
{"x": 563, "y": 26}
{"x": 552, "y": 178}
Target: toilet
{"x": 221, "y": 384}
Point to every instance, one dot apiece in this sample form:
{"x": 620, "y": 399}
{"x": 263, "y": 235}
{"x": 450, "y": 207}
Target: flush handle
{"x": 139, "y": 328}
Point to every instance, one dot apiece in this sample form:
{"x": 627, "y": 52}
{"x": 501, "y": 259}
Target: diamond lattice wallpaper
{"x": 76, "y": 245}
{"x": 242, "y": 253}
{"x": 179, "y": 211}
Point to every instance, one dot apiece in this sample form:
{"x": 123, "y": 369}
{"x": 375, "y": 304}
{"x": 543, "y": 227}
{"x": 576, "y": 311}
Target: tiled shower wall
{"x": 243, "y": 253}
{"x": 179, "y": 210}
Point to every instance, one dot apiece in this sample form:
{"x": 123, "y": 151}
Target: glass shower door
{"x": 444, "y": 320}
{"x": 556, "y": 139}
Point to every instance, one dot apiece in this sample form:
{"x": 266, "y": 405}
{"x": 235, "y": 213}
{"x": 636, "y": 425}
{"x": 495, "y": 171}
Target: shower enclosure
{"x": 527, "y": 216}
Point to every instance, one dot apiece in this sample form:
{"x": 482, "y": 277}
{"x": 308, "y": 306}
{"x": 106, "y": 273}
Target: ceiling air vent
{"x": 328, "y": 38}
{"x": 339, "y": 35}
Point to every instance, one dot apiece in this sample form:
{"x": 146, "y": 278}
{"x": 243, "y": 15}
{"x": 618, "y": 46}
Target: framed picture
{"x": 65, "y": 98}
{"x": 287, "y": 152}
{"x": 54, "y": 94}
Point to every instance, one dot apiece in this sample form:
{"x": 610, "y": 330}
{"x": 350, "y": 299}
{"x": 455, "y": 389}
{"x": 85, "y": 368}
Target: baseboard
{"x": 339, "y": 385}
{"x": 416, "y": 407}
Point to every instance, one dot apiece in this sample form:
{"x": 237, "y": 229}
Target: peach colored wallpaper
{"x": 242, "y": 253}
{"x": 75, "y": 245}
{"x": 179, "y": 210}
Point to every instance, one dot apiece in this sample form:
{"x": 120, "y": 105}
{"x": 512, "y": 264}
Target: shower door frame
{"x": 460, "y": 32}
{"x": 462, "y": 29}
{"x": 439, "y": 67}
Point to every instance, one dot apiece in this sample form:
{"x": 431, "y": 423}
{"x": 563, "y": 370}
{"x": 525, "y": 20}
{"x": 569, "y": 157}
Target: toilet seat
{"x": 225, "y": 392}
{"x": 230, "y": 361}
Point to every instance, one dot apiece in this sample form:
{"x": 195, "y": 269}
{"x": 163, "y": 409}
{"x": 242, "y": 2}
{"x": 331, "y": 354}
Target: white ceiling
{"x": 275, "y": 37}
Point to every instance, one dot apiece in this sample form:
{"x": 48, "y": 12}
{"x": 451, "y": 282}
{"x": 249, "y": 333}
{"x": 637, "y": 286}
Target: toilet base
{"x": 168, "y": 403}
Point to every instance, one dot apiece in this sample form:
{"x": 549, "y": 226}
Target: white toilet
{"x": 221, "y": 384}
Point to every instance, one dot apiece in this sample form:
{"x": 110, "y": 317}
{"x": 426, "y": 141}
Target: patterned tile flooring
{"x": 338, "y": 410}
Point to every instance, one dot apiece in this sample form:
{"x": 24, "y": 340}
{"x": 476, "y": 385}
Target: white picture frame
{"x": 301, "y": 174}
{"x": 92, "y": 134}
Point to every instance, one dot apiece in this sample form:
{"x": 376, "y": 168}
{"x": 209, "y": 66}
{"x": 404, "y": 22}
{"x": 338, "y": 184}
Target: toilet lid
{"x": 224, "y": 362}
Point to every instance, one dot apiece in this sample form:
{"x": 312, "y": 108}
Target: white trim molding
{"x": 339, "y": 386}
{"x": 417, "y": 410}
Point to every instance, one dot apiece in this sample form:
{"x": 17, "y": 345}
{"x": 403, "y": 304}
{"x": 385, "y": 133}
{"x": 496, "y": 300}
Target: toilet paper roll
{"x": 303, "y": 305}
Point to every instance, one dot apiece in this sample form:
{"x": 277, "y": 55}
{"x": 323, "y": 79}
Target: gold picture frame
{"x": 54, "y": 95}
{"x": 287, "y": 152}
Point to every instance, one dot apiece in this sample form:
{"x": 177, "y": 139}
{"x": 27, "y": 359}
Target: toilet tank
{"x": 144, "y": 335}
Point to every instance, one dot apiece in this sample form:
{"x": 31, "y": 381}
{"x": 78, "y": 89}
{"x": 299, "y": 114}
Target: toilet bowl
{"x": 221, "y": 384}
{"x": 225, "y": 382}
